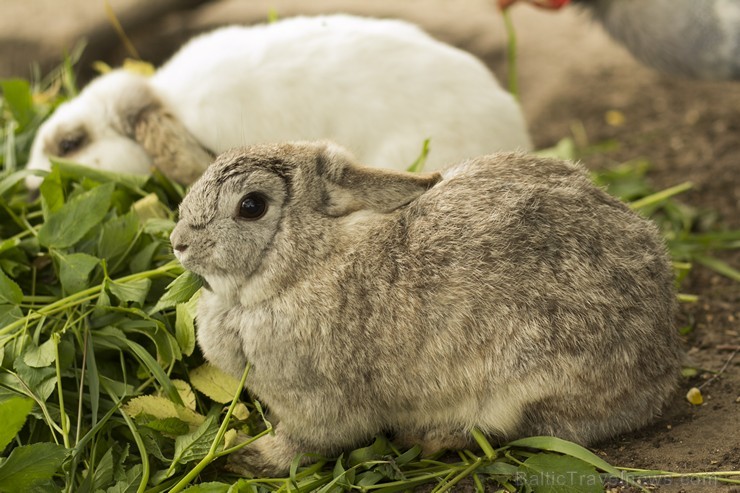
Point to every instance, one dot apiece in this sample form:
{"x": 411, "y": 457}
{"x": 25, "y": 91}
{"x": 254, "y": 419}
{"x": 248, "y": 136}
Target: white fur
{"x": 379, "y": 87}
{"x": 108, "y": 148}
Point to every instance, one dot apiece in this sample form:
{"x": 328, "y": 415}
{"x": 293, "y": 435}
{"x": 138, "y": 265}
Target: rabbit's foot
{"x": 433, "y": 440}
{"x": 269, "y": 456}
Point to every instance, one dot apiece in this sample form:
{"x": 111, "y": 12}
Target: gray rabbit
{"x": 507, "y": 293}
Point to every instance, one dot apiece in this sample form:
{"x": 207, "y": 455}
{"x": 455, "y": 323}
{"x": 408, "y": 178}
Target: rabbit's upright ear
{"x": 171, "y": 146}
{"x": 351, "y": 187}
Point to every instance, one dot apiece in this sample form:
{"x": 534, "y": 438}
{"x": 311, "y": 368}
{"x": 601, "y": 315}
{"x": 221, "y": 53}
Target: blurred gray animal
{"x": 507, "y": 293}
{"x": 692, "y": 38}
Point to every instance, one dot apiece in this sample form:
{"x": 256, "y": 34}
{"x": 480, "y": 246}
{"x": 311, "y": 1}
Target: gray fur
{"x": 508, "y": 294}
{"x": 693, "y": 38}
{"x": 145, "y": 118}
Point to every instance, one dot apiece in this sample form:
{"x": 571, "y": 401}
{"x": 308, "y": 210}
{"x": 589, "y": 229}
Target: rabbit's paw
{"x": 433, "y": 440}
{"x": 269, "y": 456}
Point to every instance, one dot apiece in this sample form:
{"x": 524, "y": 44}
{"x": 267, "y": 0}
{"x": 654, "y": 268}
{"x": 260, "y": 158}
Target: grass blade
{"x": 718, "y": 266}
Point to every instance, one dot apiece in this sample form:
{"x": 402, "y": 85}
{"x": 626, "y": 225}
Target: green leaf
{"x": 13, "y": 268}
{"x": 195, "y": 445}
{"x": 132, "y": 291}
{"x": 159, "y": 227}
{"x": 378, "y": 449}
{"x": 499, "y": 468}
{"x": 41, "y": 356}
{"x": 418, "y": 165}
{"x": 13, "y": 413}
{"x": 77, "y": 171}
{"x": 552, "y": 473}
{"x": 179, "y": 291}
{"x": 52, "y": 193}
{"x": 554, "y": 444}
{"x": 41, "y": 381}
{"x": 369, "y": 478}
{"x": 408, "y": 456}
{"x": 9, "y": 314}
{"x": 11, "y": 180}
{"x": 154, "y": 442}
{"x": 17, "y": 95}
{"x": 10, "y": 292}
{"x": 564, "y": 149}
{"x": 30, "y": 465}
{"x": 102, "y": 303}
{"x": 169, "y": 426}
{"x": 9, "y": 158}
{"x": 103, "y": 472}
{"x": 167, "y": 348}
{"x": 92, "y": 378}
{"x": 117, "y": 235}
{"x": 142, "y": 259}
{"x": 185, "y": 324}
{"x": 74, "y": 270}
{"x": 185, "y": 329}
{"x": 156, "y": 370}
{"x": 719, "y": 267}
{"x": 9, "y": 244}
{"x": 211, "y": 487}
{"x": 130, "y": 484}
{"x": 74, "y": 219}
{"x": 342, "y": 478}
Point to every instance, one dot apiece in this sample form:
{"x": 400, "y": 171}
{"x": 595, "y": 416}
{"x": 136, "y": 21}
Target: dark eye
{"x": 253, "y": 206}
{"x": 70, "y": 144}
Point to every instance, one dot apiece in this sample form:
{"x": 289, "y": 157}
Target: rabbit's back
{"x": 379, "y": 87}
{"x": 539, "y": 235}
{"x": 520, "y": 297}
{"x": 575, "y": 291}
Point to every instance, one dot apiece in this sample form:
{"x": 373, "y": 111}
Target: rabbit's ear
{"x": 350, "y": 187}
{"x": 173, "y": 149}
{"x": 171, "y": 146}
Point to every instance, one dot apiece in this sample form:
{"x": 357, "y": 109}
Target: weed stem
{"x": 511, "y": 55}
{"x": 212, "y": 452}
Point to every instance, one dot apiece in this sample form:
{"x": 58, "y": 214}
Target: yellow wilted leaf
{"x": 138, "y": 67}
{"x": 186, "y": 393}
{"x": 230, "y": 439}
{"x": 162, "y": 408}
{"x": 101, "y": 67}
{"x": 240, "y": 411}
{"x": 48, "y": 96}
{"x": 149, "y": 207}
{"x": 694, "y": 396}
{"x": 214, "y": 383}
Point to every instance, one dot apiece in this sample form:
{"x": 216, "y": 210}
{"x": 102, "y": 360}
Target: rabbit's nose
{"x": 180, "y": 247}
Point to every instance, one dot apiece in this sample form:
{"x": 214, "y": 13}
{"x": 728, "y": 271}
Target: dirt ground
{"x": 571, "y": 73}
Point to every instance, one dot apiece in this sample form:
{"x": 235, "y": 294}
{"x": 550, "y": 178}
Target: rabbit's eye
{"x": 70, "y": 144}
{"x": 253, "y": 206}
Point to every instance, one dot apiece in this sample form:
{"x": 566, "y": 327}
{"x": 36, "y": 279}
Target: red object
{"x": 545, "y": 4}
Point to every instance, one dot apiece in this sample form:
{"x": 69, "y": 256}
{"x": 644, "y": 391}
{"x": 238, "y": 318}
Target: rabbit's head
{"x": 277, "y": 202}
{"x": 96, "y": 128}
{"x": 117, "y": 123}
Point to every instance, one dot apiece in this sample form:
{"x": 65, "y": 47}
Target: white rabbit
{"x": 379, "y": 87}
{"x": 507, "y": 293}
